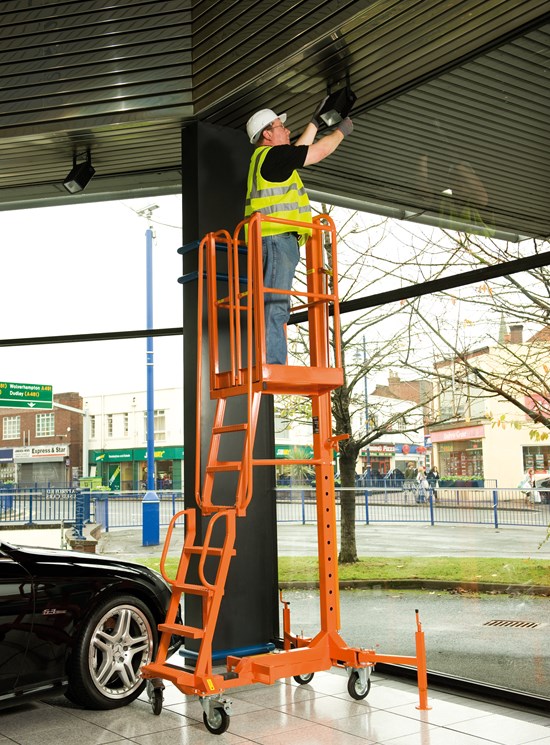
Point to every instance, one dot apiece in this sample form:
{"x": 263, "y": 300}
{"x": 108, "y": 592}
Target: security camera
{"x": 146, "y": 211}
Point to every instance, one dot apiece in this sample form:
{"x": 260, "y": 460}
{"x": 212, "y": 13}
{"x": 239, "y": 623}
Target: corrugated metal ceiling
{"x": 446, "y": 89}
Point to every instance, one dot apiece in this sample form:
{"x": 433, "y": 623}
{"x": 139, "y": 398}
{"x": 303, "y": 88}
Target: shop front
{"x": 42, "y": 464}
{"x": 126, "y": 470}
{"x": 7, "y": 466}
{"x": 536, "y": 457}
{"x": 379, "y": 457}
{"x": 406, "y": 453}
{"x": 458, "y": 452}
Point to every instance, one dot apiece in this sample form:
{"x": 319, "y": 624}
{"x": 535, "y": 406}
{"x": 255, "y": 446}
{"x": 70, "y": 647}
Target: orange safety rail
{"x": 210, "y": 592}
{"x": 247, "y": 356}
{"x": 245, "y": 371}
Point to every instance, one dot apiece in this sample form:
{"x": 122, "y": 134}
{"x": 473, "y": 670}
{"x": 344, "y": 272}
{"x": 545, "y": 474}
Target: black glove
{"x": 316, "y": 119}
{"x": 345, "y": 126}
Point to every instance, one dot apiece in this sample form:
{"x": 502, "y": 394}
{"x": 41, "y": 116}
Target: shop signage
{"x": 6, "y": 455}
{"x": 40, "y": 452}
{"x": 379, "y": 449}
{"x": 108, "y": 456}
{"x": 461, "y": 433}
{"x": 167, "y": 453}
{"x": 26, "y": 395}
{"x": 171, "y": 452}
{"x": 61, "y": 494}
{"x": 408, "y": 449}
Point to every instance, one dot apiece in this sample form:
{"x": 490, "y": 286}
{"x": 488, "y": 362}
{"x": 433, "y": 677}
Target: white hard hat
{"x": 259, "y": 121}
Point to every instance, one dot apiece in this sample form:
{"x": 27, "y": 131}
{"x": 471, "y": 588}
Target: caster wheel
{"x": 156, "y": 701}
{"x": 218, "y": 722}
{"x": 356, "y": 689}
{"x": 303, "y": 679}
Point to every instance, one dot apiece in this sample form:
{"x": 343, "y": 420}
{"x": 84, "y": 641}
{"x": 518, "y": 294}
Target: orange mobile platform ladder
{"x": 244, "y": 372}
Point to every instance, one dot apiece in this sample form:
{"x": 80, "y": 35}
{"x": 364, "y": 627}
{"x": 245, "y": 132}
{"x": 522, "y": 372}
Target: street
{"x": 421, "y": 539}
{"x": 458, "y": 640}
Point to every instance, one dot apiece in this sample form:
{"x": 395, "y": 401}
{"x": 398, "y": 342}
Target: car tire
{"x": 115, "y": 641}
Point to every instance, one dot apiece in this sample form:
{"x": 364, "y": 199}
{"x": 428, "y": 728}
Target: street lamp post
{"x": 151, "y": 502}
{"x": 367, "y": 427}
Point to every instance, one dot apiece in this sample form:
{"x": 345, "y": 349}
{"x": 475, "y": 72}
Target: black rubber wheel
{"x": 304, "y": 679}
{"x": 116, "y": 640}
{"x": 356, "y": 689}
{"x": 156, "y": 701}
{"x": 218, "y": 722}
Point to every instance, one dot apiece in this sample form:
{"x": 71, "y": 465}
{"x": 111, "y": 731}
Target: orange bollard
{"x": 286, "y": 621}
{"x": 421, "y": 669}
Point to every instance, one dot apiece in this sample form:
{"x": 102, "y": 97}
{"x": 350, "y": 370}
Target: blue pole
{"x": 150, "y": 504}
{"x": 495, "y": 507}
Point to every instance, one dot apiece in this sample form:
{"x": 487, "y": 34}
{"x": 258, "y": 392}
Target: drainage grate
{"x": 513, "y": 624}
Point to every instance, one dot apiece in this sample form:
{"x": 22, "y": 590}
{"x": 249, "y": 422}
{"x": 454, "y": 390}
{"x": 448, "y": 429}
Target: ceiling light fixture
{"x": 337, "y": 106}
{"x": 80, "y": 175}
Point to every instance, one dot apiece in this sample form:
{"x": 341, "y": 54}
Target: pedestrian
{"x": 527, "y": 485}
{"x": 433, "y": 481}
{"x": 423, "y": 485}
{"x": 410, "y": 486}
{"x": 275, "y": 188}
{"x": 411, "y": 472}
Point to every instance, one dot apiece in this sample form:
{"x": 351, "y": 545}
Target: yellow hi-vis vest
{"x": 287, "y": 200}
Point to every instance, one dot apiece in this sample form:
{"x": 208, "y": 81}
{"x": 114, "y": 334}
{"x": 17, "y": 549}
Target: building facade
{"x": 478, "y": 434}
{"x": 118, "y": 439}
{"x": 42, "y": 446}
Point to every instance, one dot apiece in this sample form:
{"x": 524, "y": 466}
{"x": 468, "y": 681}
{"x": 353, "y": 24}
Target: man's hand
{"x": 345, "y": 126}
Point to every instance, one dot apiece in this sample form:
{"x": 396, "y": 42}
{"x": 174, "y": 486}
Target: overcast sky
{"x": 81, "y": 269}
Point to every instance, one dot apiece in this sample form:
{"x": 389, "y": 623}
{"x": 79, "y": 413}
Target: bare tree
{"x": 475, "y": 346}
{"x": 371, "y": 342}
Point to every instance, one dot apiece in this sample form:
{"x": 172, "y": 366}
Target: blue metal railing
{"x": 486, "y": 506}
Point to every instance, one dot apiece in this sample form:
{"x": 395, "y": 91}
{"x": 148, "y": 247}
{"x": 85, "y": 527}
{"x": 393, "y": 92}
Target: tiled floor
{"x": 320, "y": 713}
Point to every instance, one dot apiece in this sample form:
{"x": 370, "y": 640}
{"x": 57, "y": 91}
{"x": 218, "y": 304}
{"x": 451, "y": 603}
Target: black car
{"x": 78, "y": 622}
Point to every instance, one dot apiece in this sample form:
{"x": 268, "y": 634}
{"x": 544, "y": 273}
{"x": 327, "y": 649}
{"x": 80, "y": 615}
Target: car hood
{"x": 35, "y": 555}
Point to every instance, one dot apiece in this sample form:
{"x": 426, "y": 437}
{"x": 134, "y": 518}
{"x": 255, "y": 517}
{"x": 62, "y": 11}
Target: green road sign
{"x": 26, "y": 396}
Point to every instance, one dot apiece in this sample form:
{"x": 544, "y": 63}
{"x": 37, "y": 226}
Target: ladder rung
{"x": 229, "y": 465}
{"x": 242, "y": 427}
{"x": 191, "y": 589}
{"x": 190, "y": 632}
{"x": 200, "y": 549}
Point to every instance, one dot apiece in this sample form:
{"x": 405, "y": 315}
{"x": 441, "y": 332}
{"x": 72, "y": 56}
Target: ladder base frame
{"x": 324, "y": 652}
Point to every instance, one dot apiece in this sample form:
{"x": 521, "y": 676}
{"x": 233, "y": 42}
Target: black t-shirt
{"x": 282, "y": 160}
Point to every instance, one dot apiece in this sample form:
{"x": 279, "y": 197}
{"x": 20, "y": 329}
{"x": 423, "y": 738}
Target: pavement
{"x": 379, "y": 539}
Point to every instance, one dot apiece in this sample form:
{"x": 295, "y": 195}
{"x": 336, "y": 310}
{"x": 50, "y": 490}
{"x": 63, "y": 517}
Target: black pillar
{"x": 214, "y": 169}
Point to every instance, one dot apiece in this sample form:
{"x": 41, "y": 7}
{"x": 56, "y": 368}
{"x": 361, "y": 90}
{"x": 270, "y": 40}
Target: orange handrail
{"x": 249, "y": 299}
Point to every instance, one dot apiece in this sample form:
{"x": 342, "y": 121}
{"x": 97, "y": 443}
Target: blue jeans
{"x": 280, "y": 258}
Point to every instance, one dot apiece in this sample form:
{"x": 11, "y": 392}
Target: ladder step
{"x": 230, "y": 428}
{"x": 191, "y": 589}
{"x": 190, "y": 632}
{"x": 229, "y": 465}
{"x": 200, "y": 549}
{"x": 211, "y": 551}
